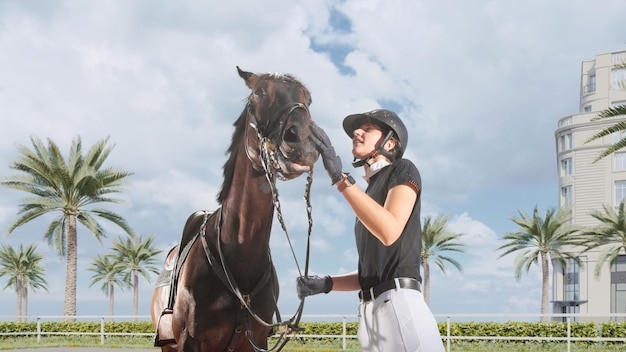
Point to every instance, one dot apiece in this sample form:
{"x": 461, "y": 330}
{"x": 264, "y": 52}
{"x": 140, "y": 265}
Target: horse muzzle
{"x": 296, "y": 153}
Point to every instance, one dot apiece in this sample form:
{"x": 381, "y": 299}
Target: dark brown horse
{"x": 222, "y": 277}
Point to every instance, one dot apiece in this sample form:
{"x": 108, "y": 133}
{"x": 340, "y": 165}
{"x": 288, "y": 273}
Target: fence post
{"x": 102, "y": 331}
{"x": 569, "y": 333}
{"x": 448, "y": 332}
{"x": 38, "y": 329}
{"x": 344, "y": 332}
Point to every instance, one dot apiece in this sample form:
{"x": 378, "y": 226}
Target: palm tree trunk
{"x": 18, "y": 291}
{"x": 545, "y": 274}
{"x": 69, "y": 305}
{"x": 25, "y": 302}
{"x": 426, "y": 280}
{"x": 135, "y": 294}
{"x": 111, "y": 299}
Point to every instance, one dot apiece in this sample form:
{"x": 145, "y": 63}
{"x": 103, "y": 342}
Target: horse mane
{"x": 240, "y": 127}
{"x": 229, "y": 166}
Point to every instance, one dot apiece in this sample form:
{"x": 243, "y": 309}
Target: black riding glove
{"x": 332, "y": 162}
{"x": 312, "y": 285}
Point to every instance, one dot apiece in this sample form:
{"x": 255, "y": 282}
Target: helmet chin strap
{"x": 360, "y": 162}
{"x": 381, "y": 150}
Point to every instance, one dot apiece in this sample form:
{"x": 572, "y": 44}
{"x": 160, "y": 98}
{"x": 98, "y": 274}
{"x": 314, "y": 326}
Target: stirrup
{"x": 157, "y": 340}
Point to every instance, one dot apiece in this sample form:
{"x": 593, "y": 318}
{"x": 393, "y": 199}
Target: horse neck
{"x": 248, "y": 210}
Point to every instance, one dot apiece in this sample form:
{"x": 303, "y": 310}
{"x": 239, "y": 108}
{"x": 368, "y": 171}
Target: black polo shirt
{"x": 379, "y": 263}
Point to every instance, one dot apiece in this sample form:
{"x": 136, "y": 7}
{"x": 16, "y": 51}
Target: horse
{"x": 218, "y": 289}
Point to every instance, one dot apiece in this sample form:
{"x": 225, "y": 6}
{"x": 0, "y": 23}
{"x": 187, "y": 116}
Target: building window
{"x": 618, "y": 136}
{"x": 591, "y": 84}
{"x": 618, "y": 287}
{"x": 618, "y": 78}
{"x": 565, "y": 142}
{"x": 566, "y": 196}
{"x": 571, "y": 289}
{"x": 619, "y": 161}
{"x": 566, "y": 167}
{"x": 620, "y": 192}
{"x": 587, "y": 108}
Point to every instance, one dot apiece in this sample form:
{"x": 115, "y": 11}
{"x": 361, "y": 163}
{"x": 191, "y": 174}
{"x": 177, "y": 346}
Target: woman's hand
{"x": 332, "y": 162}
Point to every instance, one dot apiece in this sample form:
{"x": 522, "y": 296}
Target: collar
{"x": 375, "y": 168}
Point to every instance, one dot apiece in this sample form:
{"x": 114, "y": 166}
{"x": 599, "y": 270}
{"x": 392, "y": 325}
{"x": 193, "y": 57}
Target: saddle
{"x": 169, "y": 277}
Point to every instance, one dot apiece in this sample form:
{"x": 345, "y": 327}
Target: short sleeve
{"x": 404, "y": 171}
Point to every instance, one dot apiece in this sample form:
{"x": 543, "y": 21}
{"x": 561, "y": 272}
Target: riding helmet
{"x": 384, "y": 118}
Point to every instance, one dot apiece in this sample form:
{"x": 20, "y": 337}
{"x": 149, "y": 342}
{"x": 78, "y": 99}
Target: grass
{"x": 303, "y": 345}
{"x": 76, "y": 342}
{"x": 486, "y": 346}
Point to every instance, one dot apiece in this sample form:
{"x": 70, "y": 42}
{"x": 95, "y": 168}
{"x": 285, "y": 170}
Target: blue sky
{"x": 480, "y": 86}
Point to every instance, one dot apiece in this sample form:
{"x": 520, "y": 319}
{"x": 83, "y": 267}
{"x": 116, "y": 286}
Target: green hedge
{"x": 85, "y": 327}
{"x": 321, "y": 328}
{"x": 614, "y": 330}
{"x": 519, "y": 329}
{"x": 502, "y": 329}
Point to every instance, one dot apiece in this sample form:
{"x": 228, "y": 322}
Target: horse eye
{"x": 260, "y": 92}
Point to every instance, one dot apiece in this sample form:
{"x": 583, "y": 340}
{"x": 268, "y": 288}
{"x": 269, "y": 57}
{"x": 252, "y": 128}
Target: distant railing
{"x": 567, "y": 318}
{"x": 447, "y": 337}
{"x": 618, "y": 57}
{"x": 589, "y": 88}
{"x": 103, "y": 334}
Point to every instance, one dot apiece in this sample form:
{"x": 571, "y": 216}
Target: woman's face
{"x": 365, "y": 140}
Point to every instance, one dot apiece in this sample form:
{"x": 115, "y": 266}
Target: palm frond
{"x": 537, "y": 235}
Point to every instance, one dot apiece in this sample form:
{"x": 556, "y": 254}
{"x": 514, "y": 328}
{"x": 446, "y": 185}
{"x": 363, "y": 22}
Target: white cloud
{"x": 480, "y": 86}
{"x": 474, "y": 232}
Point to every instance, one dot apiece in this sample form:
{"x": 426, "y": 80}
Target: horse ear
{"x": 249, "y": 77}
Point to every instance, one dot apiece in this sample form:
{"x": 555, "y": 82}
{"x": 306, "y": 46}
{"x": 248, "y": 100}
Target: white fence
{"x": 345, "y": 318}
{"x": 567, "y": 318}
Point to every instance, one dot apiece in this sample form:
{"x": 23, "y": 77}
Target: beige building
{"x": 585, "y": 186}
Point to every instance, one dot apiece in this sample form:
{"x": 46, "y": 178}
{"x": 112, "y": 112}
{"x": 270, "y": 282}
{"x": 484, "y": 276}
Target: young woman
{"x": 392, "y": 314}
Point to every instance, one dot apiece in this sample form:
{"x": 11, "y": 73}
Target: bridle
{"x": 269, "y": 144}
{"x": 268, "y": 164}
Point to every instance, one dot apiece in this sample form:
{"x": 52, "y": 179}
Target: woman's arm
{"x": 346, "y": 282}
{"x": 385, "y": 222}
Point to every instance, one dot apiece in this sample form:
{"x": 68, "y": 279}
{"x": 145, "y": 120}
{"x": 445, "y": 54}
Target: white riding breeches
{"x": 398, "y": 320}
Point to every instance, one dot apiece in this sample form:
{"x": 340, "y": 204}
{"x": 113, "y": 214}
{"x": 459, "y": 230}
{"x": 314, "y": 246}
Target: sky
{"x": 479, "y": 84}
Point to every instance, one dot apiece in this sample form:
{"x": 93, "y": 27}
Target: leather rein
{"x": 267, "y": 162}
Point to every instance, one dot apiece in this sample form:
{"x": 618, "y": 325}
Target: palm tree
{"x": 137, "y": 256}
{"x": 436, "y": 240}
{"x": 24, "y": 270}
{"x": 610, "y": 234}
{"x": 609, "y": 112}
{"x": 69, "y": 188}
{"x": 107, "y": 269}
{"x": 542, "y": 240}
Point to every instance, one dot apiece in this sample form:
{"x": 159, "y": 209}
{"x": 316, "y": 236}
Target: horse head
{"x": 278, "y": 108}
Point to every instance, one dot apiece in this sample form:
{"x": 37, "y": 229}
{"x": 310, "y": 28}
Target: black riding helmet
{"x": 390, "y": 124}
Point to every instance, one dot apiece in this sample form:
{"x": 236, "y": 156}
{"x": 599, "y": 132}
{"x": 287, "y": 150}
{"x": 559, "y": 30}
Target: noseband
{"x": 269, "y": 142}
{"x": 285, "y": 111}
